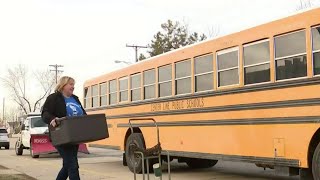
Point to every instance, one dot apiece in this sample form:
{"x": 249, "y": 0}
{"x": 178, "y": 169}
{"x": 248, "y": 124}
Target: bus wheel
{"x": 200, "y": 163}
{"x": 316, "y": 163}
{"x": 134, "y": 160}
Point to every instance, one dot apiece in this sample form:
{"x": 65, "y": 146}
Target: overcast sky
{"x": 87, "y": 36}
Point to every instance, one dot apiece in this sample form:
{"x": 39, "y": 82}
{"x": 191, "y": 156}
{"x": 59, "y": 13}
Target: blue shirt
{"x": 73, "y": 107}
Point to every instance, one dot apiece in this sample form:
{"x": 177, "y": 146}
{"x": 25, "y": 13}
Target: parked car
{"x": 4, "y": 138}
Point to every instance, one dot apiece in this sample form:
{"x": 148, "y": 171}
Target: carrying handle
{"x": 59, "y": 120}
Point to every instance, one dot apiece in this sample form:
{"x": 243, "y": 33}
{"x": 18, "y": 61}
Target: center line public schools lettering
{"x": 177, "y": 105}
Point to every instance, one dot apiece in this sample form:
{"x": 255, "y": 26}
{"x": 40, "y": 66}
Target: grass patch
{"x": 15, "y": 177}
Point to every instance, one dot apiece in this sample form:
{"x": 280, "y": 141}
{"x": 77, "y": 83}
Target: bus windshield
{"x": 37, "y": 122}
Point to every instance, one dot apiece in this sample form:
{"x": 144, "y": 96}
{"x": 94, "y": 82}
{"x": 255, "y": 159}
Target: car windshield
{"x": 37, "y": 122}
{"x": 3, "y": 131}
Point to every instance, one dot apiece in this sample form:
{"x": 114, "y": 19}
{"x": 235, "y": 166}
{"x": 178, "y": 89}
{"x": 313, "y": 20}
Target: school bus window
{"x": 290, "y": 55}
{"x": 228, "y": 67}
{"x": 165, "y": 81}
{"x": 256, "y": 58}
{"x": 316, "y": 49}
{"x": 149, "y": 79}
{"x": 103, "y": 94}
{"x": 112, "y": 92}
{"x": 183, "y": 77}
{"x": 86, "y": 97}
{"x": 123, "y": 87}
{"x": 95, "y": 97}
{"x": 135, "y": 87}
{"x": 203, "y": 67}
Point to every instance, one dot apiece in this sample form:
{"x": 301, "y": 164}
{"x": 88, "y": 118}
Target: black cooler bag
{"x": 79, "y": 129}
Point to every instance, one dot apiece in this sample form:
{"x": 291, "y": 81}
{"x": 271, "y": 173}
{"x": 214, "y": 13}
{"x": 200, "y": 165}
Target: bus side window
{"x": 165, "y": 81}
{"x": 112, "y": 92}
{"x": 149, "y": 80}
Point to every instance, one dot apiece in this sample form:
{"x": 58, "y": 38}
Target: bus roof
{"x": 219, "y": 42}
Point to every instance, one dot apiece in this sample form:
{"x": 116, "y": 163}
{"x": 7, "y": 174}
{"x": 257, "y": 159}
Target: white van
{"x": 4, "y": 138}
{"x": 31, "y": 125}
{"x": 34, "y": 136}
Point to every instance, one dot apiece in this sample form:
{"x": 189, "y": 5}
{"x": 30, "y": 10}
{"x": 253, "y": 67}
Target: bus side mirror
{"x": 23, "y": 127}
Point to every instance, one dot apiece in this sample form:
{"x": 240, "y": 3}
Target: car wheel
{"x": 18, "y": 148}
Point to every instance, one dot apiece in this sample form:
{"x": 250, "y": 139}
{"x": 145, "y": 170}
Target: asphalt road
{"x": 107, "y": 164}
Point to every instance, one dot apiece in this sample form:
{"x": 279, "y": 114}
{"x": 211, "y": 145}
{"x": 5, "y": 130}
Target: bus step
{"x": 286, "y": 171}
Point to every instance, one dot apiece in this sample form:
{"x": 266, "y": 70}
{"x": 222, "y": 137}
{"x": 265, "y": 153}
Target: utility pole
{"x": 3, "y": 101}
{"x": 136, "y": 49}
{"x": 56, "y": 66}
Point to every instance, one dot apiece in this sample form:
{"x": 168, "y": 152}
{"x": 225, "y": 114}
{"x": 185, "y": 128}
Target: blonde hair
{"x": 64, "y": 80}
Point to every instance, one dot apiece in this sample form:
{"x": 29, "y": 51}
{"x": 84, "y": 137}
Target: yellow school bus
{"x": 250, "y": 96}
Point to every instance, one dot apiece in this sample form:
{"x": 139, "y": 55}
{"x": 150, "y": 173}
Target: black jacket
{"x": 55, "y": 106}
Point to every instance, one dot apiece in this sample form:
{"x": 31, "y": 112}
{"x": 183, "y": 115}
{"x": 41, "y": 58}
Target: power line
{"x": 136, "y": 47}
{"x": 56, "y": 66}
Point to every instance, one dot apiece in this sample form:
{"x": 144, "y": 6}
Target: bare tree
{"x": 1, "y": 120}
{"x": 11, "y": 114}
{"x": 213, "y": 31}
{"x": 18, "y": 83}
{"x": 304, "y": 4}
{"x": 46, "y": 81}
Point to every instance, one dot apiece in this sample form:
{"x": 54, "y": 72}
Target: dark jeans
{"x": 70, "y": 166}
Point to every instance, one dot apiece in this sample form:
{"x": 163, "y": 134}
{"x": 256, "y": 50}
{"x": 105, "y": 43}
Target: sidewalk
{"x": 10, "y": 174}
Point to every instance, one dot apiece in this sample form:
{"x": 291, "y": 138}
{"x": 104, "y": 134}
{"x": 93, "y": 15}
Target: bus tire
{"x": 306, "y": 174}
{"x": 132, "y": 162}
{"x": 200, "y": 163}
{"x": 316, "y": 163}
